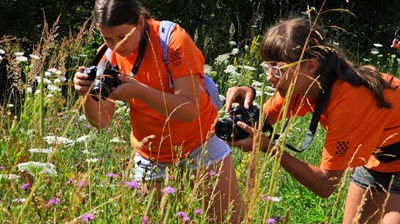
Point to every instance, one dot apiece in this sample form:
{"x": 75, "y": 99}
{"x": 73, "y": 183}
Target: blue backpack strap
{"x": 165, "y": 34}
{"x": 210, "y": 87}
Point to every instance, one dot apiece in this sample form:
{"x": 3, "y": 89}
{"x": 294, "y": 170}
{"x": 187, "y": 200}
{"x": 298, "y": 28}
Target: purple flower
{"x": 168, "y": 190}
{"x": 69, "y": 181}
{"x": 132, "y": 184}
{"x": 87, "y": 217}
{"x": 198, "y": 211}
{"x": 182, "y": 216}
{"x": 25, "y": 186}
{"x": 53, "y": 201}
{"x": 145, "y": 220}
{"x": 112, "y": 175}
{"x": 212, "y": 173}
{"x": 1, "y": 167}
{"x": 270, "y": 221}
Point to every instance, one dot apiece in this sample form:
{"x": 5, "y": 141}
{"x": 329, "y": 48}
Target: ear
{"x": 312, "y": 66}
{"x": 141, "y": 22}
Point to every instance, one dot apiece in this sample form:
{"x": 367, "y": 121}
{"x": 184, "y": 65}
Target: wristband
{"x": 254, "y": 93}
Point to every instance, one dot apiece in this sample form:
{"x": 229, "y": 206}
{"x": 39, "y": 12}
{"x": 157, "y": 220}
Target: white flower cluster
{"x": 35, "y": 168}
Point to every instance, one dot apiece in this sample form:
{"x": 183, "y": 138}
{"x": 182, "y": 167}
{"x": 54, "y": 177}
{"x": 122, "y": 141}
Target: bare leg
{"x": 227, "y": 194}
{"x": 375, "y": 209}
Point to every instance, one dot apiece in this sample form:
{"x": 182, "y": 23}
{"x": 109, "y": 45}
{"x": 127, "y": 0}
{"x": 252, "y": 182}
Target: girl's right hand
{"x": 242, "y": 95}
{"x": 82, "y": 83}
{"x": 396, "y": 44}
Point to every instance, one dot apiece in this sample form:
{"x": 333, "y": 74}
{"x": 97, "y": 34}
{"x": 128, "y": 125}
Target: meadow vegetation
{"x": 56, "y": 168}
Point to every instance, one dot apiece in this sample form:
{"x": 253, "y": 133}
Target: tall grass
{"x": 56, "y": 168}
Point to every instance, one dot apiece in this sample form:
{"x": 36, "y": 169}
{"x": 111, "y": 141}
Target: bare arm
{"x": 182, "y": 105}
{"x": 320, "y": 181}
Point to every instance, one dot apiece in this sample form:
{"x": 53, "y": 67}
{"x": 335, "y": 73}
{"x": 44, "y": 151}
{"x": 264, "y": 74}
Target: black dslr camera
{"x": 227, "y": 129}
{"x": 105, "y": 78}
{"x": 397, "y": 34}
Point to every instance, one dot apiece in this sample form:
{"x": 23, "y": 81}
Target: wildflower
{"x": 20, "y": 200}
{"x": 10, "y": 105}
{"x": 374, "y": 52}
{"x": 117, "y": 140}
{"x": 18, "y": 53}
{"x": 10, "y": 177}
{"x": 232, "y": 43}
{"x": 82, "y": 183}
{"x": 34, "y": 56}
{"x": 222, "y": 59}
{"x": 145, "y": 220}
{"x": 168, "y": 190}
{"x": 21, "y": 59}
{"x": 235, "y": 51}
{"x": 54, "y": 71}
{"x": 44, "y": 151}
{"x": 212, "y": 173}
{"x": 2, "y": 51}
{"x": 53, "y": 201}
{"x": 250, "y": 68}
{"x": 132, "y": 184}
{"x": 54, "y": 88}
{"x": 58, "y": 140}
{"x": 271, "y": 198}
{"x": 33, "y": 168}
{"x": 87, "y": 217}
{"x": 92, "y": 160}
{"x": 378, "y": 45}
{"x": 69, "y": 181}
{"x": 112, "y": 175}
{"x": 1, "y": 168}
{"x": 83, "y": 138}
{"x": 182, "y": 216}
{"x": 25, "y": 186}
{"x": 198, "y": 211}
{"x": 230, "y": 69}
{"x": 270, "y": 221}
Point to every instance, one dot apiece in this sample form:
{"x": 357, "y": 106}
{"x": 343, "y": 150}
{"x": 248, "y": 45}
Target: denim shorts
{"x": 378, "y": 181}
{"x": 216, "y": 151}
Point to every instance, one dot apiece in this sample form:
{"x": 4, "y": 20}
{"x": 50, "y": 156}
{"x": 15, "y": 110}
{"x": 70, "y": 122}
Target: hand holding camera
{"x": 396, "y": 40}
{"x": 105, "y": 79}
{"x": 227, "y": 128}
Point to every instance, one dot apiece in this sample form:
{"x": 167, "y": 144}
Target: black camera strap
{"x": 309, "y": 137}
{"x": 142, "y": 50}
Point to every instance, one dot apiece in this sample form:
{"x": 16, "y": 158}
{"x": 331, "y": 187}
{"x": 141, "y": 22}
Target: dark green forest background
{"x": 212, "y": 23}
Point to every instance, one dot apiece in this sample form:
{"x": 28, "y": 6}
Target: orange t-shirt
{"x": 170, "y": 136}
{"x": 355, "y": 125}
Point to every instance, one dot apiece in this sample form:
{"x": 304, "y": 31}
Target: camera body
{"x": 227, "y": 129}
{"x": 397, "y": 34}
{"x": 105, "y": 79}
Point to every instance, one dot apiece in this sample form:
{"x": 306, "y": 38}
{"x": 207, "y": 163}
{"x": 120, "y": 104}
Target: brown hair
{"x": 117, "y": 12}
{"x": 289, "y": 39}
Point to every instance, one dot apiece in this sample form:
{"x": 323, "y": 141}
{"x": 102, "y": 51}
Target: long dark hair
{"x": 117, "y": 12}
{"x": 287, "y": 40}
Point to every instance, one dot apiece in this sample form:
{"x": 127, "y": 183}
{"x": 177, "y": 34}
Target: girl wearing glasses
{"x": 170, "y": 124}
{"x": 357, "y": 105}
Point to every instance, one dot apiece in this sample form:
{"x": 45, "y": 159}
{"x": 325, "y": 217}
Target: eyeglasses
{"x": 277, "y": 70}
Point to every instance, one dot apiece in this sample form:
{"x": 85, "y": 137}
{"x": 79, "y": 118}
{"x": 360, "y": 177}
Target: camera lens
{"x": 100, "y": 90}
{"x": 224, "y": 128}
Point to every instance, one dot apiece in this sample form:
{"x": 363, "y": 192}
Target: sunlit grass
{"x": 56, "y": 168}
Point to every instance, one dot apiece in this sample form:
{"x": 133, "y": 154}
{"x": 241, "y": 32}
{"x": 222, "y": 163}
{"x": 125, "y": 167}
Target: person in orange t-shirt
{"x": 357, "y": 105}
{"x": 172, "y": 118}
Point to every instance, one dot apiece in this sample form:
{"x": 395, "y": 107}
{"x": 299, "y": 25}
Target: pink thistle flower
{"x": 112, "y": 175}
{"x": 53, "y": 201}
{"x": 25, "y": 186}
{"x": 182, "y": 216}
{"x": 198, "y": 211}
{"x": 87, "y": 217}
{"x": 212, "y": 173}
{"x": 145, "y": 220}
{"x": 132, "y": 184}
{"x": 168, "y": 190}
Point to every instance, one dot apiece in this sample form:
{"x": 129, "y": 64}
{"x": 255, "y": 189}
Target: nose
{"x": 272, "y": 79}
